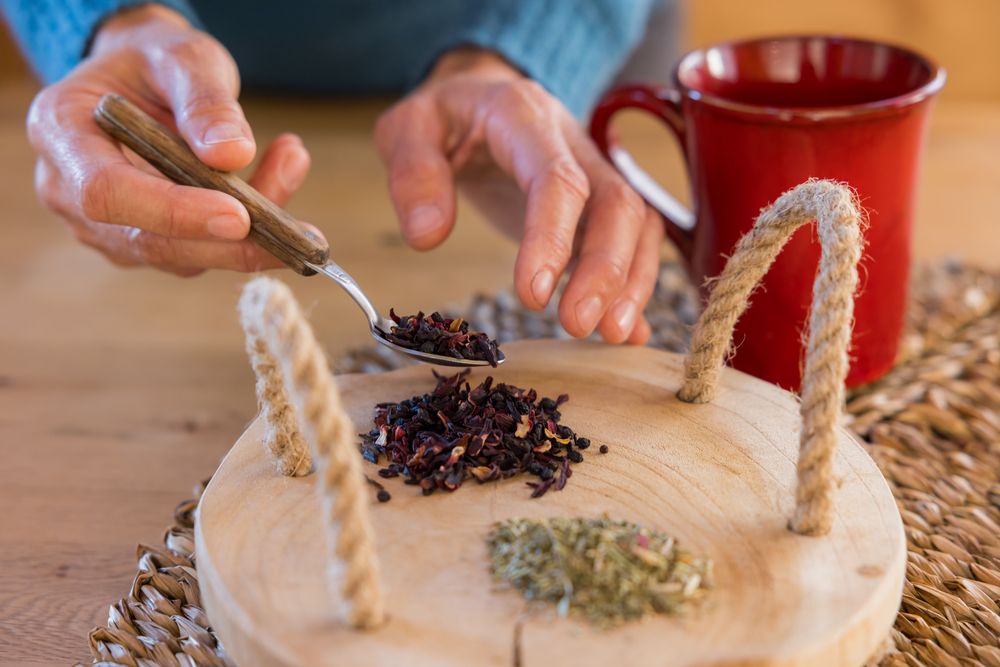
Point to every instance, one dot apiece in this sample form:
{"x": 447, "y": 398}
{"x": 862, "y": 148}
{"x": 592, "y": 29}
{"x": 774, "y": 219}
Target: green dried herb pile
{"x": 608, "y": 571}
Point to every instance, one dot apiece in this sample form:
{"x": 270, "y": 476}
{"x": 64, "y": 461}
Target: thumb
{"x": 199, "y": 80}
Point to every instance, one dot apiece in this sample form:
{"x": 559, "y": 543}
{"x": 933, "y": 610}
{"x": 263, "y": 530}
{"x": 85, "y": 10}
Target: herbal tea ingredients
{"x": 437, "y": 334}
{"x": 489, "y": 432}
{"x": 608, "y": 571}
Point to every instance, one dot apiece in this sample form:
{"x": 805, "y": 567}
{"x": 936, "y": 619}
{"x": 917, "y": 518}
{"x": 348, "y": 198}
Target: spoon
{"x": 271, "y": 227}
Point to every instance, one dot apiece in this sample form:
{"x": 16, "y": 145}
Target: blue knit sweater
{"x": 572, "y": 47}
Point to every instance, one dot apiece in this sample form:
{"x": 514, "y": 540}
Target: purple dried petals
{"x": 445, "y": 336}
{"x": 487, "y": 432}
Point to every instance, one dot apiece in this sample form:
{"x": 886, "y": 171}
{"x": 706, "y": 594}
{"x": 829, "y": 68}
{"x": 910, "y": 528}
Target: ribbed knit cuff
{"x": 574, "y": 49}
{"x": 55, "y": 33}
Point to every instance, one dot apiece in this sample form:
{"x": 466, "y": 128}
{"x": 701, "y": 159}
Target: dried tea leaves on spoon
{"x": 493, "y": 431}
{"x": 608, "y": 571}
{"x": 437, "y": 334}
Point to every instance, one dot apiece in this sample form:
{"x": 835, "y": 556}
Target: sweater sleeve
{"x": 574, "y": 49}
{"x": 55, "y": 34}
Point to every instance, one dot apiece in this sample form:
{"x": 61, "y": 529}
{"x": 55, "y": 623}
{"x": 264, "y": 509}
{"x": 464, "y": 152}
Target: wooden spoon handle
{"x": 270, "y": 225}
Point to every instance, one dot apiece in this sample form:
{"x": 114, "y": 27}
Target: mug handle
{"x": 665, "y": 104}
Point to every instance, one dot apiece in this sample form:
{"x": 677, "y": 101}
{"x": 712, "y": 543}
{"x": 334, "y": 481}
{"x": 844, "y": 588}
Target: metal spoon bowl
{"x": 378, "y": 326}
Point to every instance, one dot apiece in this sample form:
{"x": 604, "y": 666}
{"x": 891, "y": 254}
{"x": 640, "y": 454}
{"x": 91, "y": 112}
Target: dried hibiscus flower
{"x": 489, "y": 432}
{"x": 437, "y": 334}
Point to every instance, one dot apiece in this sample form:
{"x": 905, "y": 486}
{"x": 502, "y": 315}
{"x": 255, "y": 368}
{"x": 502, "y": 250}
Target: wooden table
{"x": 119, "y": 389}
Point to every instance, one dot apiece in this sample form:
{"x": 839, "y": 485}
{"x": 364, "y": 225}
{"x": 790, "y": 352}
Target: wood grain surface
{"x": 720, "y": 477}
{"x": 119, "y": 389}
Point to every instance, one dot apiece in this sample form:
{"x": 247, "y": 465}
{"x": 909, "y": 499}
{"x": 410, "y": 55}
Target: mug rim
{"x": 934, "y": 83}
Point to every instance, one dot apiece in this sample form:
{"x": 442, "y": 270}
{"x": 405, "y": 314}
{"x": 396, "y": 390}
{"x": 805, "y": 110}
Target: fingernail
{"x": 624, "y": 316}
{"x": 227, "y": 226}
{"x": 423, "y": 220}
{"x": 541, "y": 286}
{"x": 587, "y": 312}
{"x": 222, "y": 133}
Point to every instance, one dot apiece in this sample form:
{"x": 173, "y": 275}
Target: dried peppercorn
{"x": 488, "y": 432}
{"x": 437, "y": 334}
{"x": 382, "y": 495}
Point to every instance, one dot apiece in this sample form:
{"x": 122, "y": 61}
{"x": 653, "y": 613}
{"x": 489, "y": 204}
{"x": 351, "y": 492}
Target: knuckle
{"x": 172, "y": 222}
{"x": 152, "y": 248}
{"x": 39, "y": 105}
{"x": 385, "y": 126}
{"x": 409, "y": 169}
{"x": 397, "y": 119}
{"x": 525, "y": 92}
{"x": 622, "y": 196}
{"x": 556, "y": 245}
{"x": 41, "y": 110}
{"x": 524, "y": 100}
{"x": 207, "y": 102}
{"x": 192, "y": 50}
{"x": 570, "y": 177}
{"x": 95, "y": 192}
{"x": 612, "y": 268}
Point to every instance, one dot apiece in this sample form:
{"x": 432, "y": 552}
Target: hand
{"x": 118, "y": 204}
{"x": 479, "y": 120}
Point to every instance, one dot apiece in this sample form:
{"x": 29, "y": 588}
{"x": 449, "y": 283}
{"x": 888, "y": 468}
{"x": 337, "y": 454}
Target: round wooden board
{"x": 718, "y": 476}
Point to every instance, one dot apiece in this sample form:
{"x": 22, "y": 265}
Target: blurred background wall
{"x": 963, "y": 35}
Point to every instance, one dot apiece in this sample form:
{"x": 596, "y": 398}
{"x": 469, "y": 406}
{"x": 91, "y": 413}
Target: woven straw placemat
{"x": 932, "y": 425}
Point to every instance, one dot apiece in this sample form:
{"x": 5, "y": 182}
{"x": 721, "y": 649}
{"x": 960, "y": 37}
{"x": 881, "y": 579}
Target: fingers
{"x": 130, "y": 246}
{"x": 93, "y": 179}
{"x": 623, "y": 320}
{"x": 199, "y": 80}
{"x": 108, "y": 188}
{"x": 282, "y": 169}
{"x": 534, "y": 140}
{"x": 410, "y": 139}
{"x": 112, "y": 202}
{"x": 616, "y": 216}
{"x": 524, "y": 135}
{"x": 135, "y": 217}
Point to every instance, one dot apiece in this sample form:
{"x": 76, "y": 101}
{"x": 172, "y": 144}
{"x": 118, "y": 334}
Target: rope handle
{"x": 289, "y": 363}
{"x": 838, "y": 221}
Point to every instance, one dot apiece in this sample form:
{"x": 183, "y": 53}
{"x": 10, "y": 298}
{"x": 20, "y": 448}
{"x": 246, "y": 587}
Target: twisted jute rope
{"x": 282, "y": 438}
{"x": 838, "y": 222}
{"x": 271, "y": 316}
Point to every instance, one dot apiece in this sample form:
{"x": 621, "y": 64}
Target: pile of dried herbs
{"x": 437, "y": 334}
{"x": 608, "y": 571}
{"x": 492, "y": 431}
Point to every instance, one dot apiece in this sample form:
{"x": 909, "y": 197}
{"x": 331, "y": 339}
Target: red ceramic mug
{"x": 755, "y": 118}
